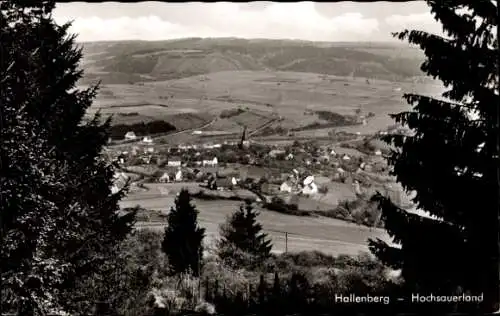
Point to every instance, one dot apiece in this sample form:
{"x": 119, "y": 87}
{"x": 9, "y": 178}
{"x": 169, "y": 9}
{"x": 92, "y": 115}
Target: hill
{"x": 125, "y": 62}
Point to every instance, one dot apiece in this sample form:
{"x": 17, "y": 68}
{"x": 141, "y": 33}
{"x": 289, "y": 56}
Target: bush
{"x": 118, "y": 131}
{"x": 231, "y": 113}
{"x": 278, "y": 205}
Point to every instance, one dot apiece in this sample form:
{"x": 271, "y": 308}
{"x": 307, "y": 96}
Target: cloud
{"x": 422, "y": 21}
{"x": 299, "y": 20}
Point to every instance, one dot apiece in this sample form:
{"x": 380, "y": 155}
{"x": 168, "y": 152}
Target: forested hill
{"x": 133, "y": 61}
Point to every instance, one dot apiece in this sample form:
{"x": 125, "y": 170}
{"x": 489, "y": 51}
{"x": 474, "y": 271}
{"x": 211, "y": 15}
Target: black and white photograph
{"x": 249, "y": 158}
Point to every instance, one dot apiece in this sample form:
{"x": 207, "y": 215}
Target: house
{"x": 164, "y": 178}
{"x": 149, "y": 150}
{"x": 286, "y": 187}
{"x": 346, "y": 157}
{"x": 178, "y": 175}
{"x": 210, "y": 162}
{"x": 290, "y": 156}
{"x": 130, "y": 136}
{"x": 309, "y": 187}
{"x": 147, "y": 140}
{"x": 174, "y": 162}
{"x": 333, "y": 153}
{"x": 378, "y": 152}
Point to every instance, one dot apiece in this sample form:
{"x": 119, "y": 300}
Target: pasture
{"x": 293, "y": 96}
{"x": 304, "y": 233}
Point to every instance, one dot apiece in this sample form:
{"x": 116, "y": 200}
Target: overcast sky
{"x": 343, "y": 21}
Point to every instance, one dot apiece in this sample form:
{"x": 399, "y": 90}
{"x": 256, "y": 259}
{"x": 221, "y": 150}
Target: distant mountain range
{"x": 134, "y": 61}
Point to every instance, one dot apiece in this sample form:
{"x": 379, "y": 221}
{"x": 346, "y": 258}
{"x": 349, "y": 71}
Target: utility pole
{"x": 286, "y": 242}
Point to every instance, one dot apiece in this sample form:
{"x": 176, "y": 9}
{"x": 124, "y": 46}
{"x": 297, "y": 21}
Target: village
{"x": 308, "y": 176}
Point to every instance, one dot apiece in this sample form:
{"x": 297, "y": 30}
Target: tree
{"x": 183, "y": 239}
{"x": 243, "y": 233}
{"x": 59, "y": 220}
{"x": 450, "y": 159}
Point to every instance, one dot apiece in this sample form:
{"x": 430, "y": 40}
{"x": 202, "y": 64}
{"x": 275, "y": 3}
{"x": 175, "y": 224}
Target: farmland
{"x": 305, "y": 233}
{"x": 190, "y": 82}
{"x": 189, "y": 103}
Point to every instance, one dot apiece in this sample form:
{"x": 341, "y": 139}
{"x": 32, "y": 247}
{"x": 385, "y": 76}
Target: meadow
{"x": 304, "y": 233}
{"x": 291, "y": 99}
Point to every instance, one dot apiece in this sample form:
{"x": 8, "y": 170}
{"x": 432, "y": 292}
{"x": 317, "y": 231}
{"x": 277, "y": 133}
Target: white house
{"x": 130, "y": 136}
{"x": 234, "y": 181}
{"x": 174, "y": 162}
{"x": 290, "y": 156}
{"x": 310, "y": 187}
{"x": 333, "y": 153}
{"x": 178, "y": 175}
{"x": 210, "y": 162}
{"x": 147, "y": 140}
{"x": 346, "y": 157}
{"x": 164, "y": 178}
{"x": 378, "y": 152}
{"x": 286, "y": 187}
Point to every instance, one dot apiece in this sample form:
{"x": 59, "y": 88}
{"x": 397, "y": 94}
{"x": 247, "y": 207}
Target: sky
{"x": 335, "y": 22}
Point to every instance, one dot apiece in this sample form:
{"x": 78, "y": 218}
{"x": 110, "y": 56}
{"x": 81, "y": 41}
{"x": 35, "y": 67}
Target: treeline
{"x": 140, "y": 129}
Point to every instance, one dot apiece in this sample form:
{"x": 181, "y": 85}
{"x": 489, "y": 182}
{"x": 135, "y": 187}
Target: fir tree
{"x": 242, "y": 232}
{"x": 59, "y": 219}
{"x": 450, "y": 159}
{"x": 183, "y": 240}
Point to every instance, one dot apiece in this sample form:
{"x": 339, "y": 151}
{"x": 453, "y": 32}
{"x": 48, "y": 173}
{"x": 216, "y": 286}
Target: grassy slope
{"x": 126, "y": 61}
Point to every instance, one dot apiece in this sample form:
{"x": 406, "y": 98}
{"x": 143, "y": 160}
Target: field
{"x": 193, "y": 103}
{"x": 304, "y": 233}
{"x": 280, "y": 84}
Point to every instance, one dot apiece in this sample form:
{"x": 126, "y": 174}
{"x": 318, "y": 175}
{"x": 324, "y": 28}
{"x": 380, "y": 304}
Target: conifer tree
{"x": 242, "y": 232}
{"x": 59, "y": 220}
{"x": 450, "y": 159}
{"x": 183, "y": 239}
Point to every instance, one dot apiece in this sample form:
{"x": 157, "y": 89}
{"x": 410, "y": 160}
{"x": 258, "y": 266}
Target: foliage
{"x": 60, "y": 220}
{"x": 231, "y": 113}
{"x": 118, "y": 131}
{"x": 183, "y": 240}
{"x": 308, "y": 290}
{"x": 242, "y": 232}
{"x": 450, "y": 159}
